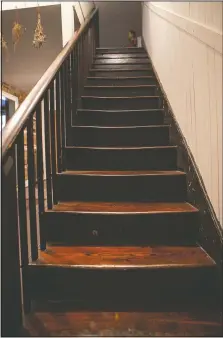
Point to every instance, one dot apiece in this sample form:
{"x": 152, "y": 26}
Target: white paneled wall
{"x": 184, "y": 40}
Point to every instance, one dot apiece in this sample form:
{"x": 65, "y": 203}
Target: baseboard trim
{"x": 210, "y": 232}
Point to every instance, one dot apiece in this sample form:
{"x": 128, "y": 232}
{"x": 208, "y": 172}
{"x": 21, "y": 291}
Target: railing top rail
{"x": 22, "y": 114}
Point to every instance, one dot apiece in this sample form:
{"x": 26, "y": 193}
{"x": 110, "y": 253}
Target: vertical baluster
{"x": 81, "y": 58}
{"x": 74, "y": 77}
{"x": 47, "y": 151}
{"x": 22, "y": 217}
{"x": 11, "y": 316}
{"x": 97, "y": 29}
{"x": 53, "y": 145}
{"x": 78, "y": 49}
{"x": 40, "y": 181}
{"x": 62, "y": 93}
{"x": 68, "y": 112}
{"x": 93, "y": 38}
{"x": 22, "y": 199}
{"x": 31, "y": 185}
{"x": 58, "y": 123}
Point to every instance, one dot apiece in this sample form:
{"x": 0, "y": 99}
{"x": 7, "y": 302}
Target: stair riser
{"x": 127, "y": 73}
{"x": 114, "y": 92}
{"x": 121, "y": 82}
{"x": 121, "y": 229}
{"x": 152, "y": 287}
{"x": 131, "y": 50}
{"x": 112, "y": 67}
{"x": 120, "y": 103}
{"x": 122, "y": 188}
{"x": 121, "y": 56}
{"x": 139, "y": 159}
{"x": 118, "y": 118}
{"x": 121, "y": 61}
{"x": 123, "y": 137}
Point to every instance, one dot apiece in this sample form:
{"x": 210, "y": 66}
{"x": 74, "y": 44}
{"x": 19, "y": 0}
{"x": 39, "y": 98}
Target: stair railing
{"x": 48, "y": 109}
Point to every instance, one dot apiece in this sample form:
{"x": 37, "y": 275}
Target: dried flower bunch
{"x": 4, "y": 44}
{"x": 17, "y": 32}
{"x": 4, "y": 47}
{"x": 39, "y": 36}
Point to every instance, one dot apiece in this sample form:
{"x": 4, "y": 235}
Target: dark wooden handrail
{"x": 22, "y": 114}
{"x": 33, "y": 153}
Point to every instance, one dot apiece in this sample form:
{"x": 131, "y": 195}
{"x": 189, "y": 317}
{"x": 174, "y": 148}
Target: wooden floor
{"x": 155, "y": 324}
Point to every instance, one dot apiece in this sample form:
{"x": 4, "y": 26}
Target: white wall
{"x": 9, "y": 5}
{"x": 184, "y": 41}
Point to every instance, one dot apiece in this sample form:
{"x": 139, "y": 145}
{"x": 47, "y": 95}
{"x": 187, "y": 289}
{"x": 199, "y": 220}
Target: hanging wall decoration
{"x": 17, "y": 31}
{"x": 39, "y": 36}
{"x": 4, "y": 46}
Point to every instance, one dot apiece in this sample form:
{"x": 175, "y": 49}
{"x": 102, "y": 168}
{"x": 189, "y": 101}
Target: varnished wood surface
{"x": 121, "y": 61}
{"x": 130, "y": 69}
{"x": 112, "y": 67}
{"x": 125, "y": 173}
{"x": 121, "y": 56}
{"x": 127, "y": 72}
{"x": 124, "y": 207}
{"x": 126, "y": 257}
{"x": 121, "y": 77}
{"x": 158, "y": 324}
{"x": 121, "y": 50}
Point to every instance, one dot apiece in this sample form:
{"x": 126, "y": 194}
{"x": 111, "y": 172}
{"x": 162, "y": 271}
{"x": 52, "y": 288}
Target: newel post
{"x": 11, "y": 316}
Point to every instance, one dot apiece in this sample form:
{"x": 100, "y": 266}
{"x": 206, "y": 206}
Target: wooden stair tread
{"x": 125, "y": 257}
{"x": 123, "y": 173}
{"x": 122, "y": 148}
{"x": 122, "y": 127}
{"x": 97, "y": 323}
{"x": 123, "y": 207}
{"x": 119, "y": 77}
{"x": 120, "y": 56}
{"x": 119, "y": 97}
{"x": 117, "y": 111}
{"x": 109, "y": 70}
{"x": 120, "y": 87}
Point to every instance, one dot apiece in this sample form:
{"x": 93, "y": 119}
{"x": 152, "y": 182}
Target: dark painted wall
{"x": 116, "y": 18}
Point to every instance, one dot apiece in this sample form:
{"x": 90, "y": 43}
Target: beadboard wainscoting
{"x": 184, "y": 41}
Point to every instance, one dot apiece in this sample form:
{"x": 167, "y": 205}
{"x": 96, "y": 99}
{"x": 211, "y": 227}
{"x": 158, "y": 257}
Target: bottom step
{"x": 55, "y": 321}
{"x": 151, "y": 275}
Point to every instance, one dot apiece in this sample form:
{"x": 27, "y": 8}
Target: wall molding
{"x": 203, "y": 34}
{"x": 210, "y": 231}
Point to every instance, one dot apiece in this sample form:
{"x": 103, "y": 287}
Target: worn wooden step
{"x": 158, "y": 274}
{"x": 121, "y": 61}
{"x": 143, "y": 158}
{"x": 104, "y": 90}
{"x": 53, "y": 319}
{"x": 118, "y": 117}
{"x": 123, "y": 50}
{"x": 137, "y": 186}
{"x": 127, "y": 102}
{"x": 121, "y": 223}
{"x": 121, "y": 81}
{"x": 121, "y": 56}
{"x": 113, "y": 67}
{"x": 121, "y": 136}
{"x": 127, "y": 72}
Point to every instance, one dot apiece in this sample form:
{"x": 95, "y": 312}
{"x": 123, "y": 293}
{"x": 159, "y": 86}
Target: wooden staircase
{"x": 122, "y": 236}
